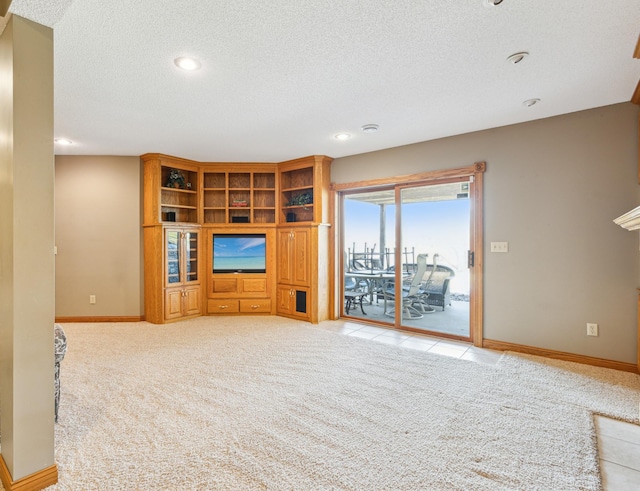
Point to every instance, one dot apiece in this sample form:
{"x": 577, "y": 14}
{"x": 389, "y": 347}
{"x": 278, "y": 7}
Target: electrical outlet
{"x": 592, "y": 329}
{"x": 92, "y": 299}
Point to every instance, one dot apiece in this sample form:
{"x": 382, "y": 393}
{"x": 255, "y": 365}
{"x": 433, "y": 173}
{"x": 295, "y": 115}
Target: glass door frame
{"x": 474, "y": 174}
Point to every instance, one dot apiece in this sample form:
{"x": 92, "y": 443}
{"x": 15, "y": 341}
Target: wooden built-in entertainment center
{"x": 281, "y": 210}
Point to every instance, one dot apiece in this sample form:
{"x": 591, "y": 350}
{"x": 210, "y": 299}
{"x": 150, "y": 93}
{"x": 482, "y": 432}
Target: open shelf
{"x": 239, "y": 197}
{"x": 297, "y": 194}
{"x": 178, "y": 194}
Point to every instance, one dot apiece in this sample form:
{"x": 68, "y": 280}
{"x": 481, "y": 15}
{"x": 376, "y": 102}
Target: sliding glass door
{"x": 405, "y": 256}
{"x": 369, "y": 253}
{"x": 435, "y": 230}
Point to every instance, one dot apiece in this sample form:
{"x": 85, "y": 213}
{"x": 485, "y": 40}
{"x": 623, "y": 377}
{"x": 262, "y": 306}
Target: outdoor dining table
{"x": 377, "y": 281}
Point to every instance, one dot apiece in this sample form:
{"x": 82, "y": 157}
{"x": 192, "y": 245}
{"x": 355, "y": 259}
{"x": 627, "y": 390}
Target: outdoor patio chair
{"x": 438, "y": 287}
{"x": 412, "y": 295}
{"x": 422, "y": 296}
{"x": 353, "y": 295}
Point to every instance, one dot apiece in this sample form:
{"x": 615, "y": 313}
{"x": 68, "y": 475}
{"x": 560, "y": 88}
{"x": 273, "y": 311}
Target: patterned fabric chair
{"x": 60, "y": 350}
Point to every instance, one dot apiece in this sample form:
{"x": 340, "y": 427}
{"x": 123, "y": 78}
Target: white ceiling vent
{"x": 516, "y": 58}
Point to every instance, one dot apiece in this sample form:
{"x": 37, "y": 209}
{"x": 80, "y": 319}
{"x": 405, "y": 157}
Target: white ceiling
{"x": 280, "y": 78}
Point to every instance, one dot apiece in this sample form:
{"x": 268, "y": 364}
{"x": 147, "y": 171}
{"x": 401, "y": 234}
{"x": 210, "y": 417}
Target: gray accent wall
{"x": 552, "y": 188}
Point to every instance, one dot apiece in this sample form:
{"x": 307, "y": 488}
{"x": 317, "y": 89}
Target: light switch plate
{"x": 499, "y": 247}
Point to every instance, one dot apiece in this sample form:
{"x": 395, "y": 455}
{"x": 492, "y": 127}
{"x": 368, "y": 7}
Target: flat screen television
{"x": 239, "y": 253}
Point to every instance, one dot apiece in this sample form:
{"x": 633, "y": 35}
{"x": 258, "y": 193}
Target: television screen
{"x": 239, "y": 253}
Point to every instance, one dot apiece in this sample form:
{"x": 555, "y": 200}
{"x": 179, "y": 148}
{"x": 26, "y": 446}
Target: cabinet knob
{"x": 255, "y": 306}
{"x": 222, "y": 307}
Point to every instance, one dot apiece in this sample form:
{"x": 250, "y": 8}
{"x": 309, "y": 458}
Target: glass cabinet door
{"x": 173, "y": 244}
{"x": 191, "y": 254}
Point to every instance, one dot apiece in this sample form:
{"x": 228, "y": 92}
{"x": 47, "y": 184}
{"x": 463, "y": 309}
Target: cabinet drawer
{"x": 257, "y": 305}
{"x": 222, "y": 306}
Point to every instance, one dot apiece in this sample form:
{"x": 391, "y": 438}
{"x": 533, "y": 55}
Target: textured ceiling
{"x": 280, "y": 78}
{"x": 45, "y": 12}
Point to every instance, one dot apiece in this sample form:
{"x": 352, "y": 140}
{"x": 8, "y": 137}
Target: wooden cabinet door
{"x": 284, "y": 257}
{"x": 301, "y": 257}
{"x": 190, "y": 247}
{"x": 294, "y": 256}
{"x": 173, "y": 304}
{"x": 294, "y": 302}
{"x": 173, "y": 257}
{"x": 183, "y": 297}
{"x": 192, "y": 301}
{"x": 180, "y": 302}
{"x": 285, "y": 300}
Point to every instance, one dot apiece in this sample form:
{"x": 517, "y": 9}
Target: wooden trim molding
{"x": 635, "y": 98}
{"x": 34, "y": 482}
{"x": 335, "y": 262}
{"x": 106, "y": 318}
{"x": 161, "y": 156}
{"x": 476, "y": 312}
{"x": 470, "y": 170}
{"x": 560, "y": 355}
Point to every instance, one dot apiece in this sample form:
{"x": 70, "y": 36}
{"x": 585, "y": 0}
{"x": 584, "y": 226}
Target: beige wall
{"x": 552, "y": 189}
{"x": 98, "y": 236}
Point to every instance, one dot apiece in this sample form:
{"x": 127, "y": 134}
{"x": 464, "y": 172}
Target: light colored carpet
{"x": 256, "y": 403}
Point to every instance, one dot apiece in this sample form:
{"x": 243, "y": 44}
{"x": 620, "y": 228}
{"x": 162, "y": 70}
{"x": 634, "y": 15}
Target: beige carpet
{"x": 257, "y": 403}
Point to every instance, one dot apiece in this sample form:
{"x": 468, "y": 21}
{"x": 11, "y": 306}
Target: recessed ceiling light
{"x": 516, "y": 58}
{"x": 62, "y": 141}
{"x": 370, "y": 128}
{"x": 492, "y": 3}
{"x": 530, "y": 102}
{"x": 342, "y": 136}
{"x": 187, "y": 63}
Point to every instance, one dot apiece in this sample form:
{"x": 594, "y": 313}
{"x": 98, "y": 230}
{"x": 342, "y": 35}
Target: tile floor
{"x": 414, "y": 340}
{"x": 619, "y": 450}
{"x": 618, "y": 442}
